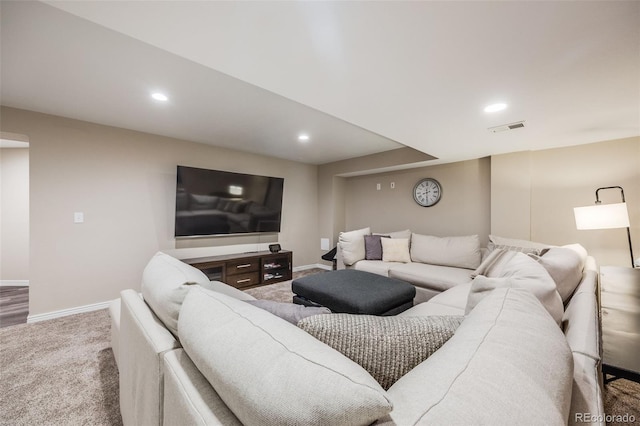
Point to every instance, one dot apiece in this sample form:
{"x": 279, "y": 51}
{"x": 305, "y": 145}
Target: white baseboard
{"x": 14, "y": 283}
{"x": 70, "y": 311}
{"x": 315, "y": 265}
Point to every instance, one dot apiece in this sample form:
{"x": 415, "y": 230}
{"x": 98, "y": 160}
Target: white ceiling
{"x": 359, "y": 77}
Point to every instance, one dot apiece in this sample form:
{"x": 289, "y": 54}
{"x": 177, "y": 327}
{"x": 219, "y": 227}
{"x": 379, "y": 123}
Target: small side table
{"x": 620, "y": 308}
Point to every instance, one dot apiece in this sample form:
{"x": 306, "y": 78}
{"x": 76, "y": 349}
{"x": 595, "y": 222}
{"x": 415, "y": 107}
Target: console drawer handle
{"x": 246, "y": 265}
{"x": 243, "y": 281}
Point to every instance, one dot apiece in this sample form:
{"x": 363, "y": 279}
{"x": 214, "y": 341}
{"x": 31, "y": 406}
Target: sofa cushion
{"x": 520, "y": 271}
{"x": 406, "y": 233}
{"x": 459, "y": 252}
{"x": 375, "y": 267}
{"x": 165, "y": 283}
{"x": 352, "y": 245}
{"x": 289, "y": 311}
{"x": 507, "y": 363}
{"x": 436, "y": 277}
{"x": 565, "y": 267}
{"x": 395, "y": 250}
{"x": 493, "y": 263}
{"x": 524, "y": 246}
{"x": 387, "y": 347}
{"x": 269, "y": 371}
{"x": 452, "y": 301}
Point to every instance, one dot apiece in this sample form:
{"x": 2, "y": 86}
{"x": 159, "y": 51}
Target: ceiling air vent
{"x": 505, "y": 127}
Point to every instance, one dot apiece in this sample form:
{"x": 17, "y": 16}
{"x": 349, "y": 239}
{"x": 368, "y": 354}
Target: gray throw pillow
{"x": 373, "y": 247}
{"x": 387, "y": 347}
{"x": 288, "y": 311}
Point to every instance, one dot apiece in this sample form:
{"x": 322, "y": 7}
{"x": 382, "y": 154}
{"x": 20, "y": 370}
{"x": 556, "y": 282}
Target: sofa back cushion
{"x": 406, "y": 233}
{"x": 524, "y": 246}
{"x": 565, "y": 267}
{"x": 352, "y": 245}
{"x": 460, "y": 252}
{"x": 507, "y": 363}
{"x": 269, "y": 371}
{"x": 166, "y": 281}
{"x": 518, "y": 271}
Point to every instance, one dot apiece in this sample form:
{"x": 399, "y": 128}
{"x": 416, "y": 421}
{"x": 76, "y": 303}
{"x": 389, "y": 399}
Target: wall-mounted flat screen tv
{"x": 216, "y": 202}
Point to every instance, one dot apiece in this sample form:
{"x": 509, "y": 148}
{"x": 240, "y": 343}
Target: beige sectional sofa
{"x": 192, "y": 351}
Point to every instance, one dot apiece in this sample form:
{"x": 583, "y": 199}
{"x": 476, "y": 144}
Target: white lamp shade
{"x": 602, "y": 216}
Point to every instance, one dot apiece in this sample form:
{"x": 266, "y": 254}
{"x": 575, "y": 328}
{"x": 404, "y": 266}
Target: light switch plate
{"x": 78, "y": 217}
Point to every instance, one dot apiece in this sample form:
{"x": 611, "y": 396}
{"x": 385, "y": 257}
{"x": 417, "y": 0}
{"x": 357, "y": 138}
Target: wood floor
{"x": 14, "y": 305}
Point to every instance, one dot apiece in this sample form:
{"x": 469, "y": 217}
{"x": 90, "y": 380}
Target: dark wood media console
{"x": 246, "y": 270}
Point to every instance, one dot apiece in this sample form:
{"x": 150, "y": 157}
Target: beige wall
{"x": 14, "y": 215}
{"x": 124, "y": 182}
{"x": 464, "y": 208}
{"x": 534, "y": 193}
{"x": 527, "y": 195}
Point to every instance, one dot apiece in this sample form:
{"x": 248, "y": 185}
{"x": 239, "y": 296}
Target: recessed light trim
{"x": 159, "y": 97}
{"x": 303, "y": 138}
{"x": 495, "y": 107}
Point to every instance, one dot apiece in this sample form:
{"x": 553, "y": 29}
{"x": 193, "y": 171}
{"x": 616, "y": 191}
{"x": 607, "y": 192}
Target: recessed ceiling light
{"x": 160, "y": 97}
{"x": 303, "y": 138}
{"x": 495, "y": 107}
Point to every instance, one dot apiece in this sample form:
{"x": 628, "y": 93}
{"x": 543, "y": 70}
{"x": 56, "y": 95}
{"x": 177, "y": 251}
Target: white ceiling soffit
{"x": 54, "y": 62}
{"x": 419, "y": 72}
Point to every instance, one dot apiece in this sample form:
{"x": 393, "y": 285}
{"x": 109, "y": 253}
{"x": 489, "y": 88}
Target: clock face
{"x": 427, "y": 192}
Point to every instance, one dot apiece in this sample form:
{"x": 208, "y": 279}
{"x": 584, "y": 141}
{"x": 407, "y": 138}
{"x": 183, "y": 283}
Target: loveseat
{"x": 191, "y": 351}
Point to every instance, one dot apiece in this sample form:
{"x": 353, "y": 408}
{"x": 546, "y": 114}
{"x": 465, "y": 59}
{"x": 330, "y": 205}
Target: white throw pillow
{"x": 270, "y": 372}
{"x": 395, "y": 250}
{"x": 520, "y": 271}
{"x": 165, "y": 283}
{"x": 459, "y": 252}
{"x": 352, "y": 245}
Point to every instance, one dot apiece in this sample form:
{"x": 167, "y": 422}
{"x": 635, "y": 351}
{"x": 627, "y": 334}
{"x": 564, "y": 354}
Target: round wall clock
{"x": 427, "y": 192}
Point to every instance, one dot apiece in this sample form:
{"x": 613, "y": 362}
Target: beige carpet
{"x": 59, "y": 372}
{"x": 281, "y": 292}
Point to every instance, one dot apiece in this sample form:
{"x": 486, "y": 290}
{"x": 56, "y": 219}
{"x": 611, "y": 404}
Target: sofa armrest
{"x": 143, "y": 342}
{"x": 339, "y": 258}
{"x": 581, "y": 324}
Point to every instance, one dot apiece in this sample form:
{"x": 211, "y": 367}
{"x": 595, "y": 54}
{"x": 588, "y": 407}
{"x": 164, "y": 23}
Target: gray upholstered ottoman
{"x": 354, "y": 292}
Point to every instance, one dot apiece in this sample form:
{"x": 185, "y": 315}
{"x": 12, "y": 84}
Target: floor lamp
{"x": 605, "y": 216}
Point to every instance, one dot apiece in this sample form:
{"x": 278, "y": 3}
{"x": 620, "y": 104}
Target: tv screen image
{"x": 216, "y": 202}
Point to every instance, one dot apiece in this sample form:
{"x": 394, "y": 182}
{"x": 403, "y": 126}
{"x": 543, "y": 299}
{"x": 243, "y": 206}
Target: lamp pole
{"x": 628, "y": 230}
